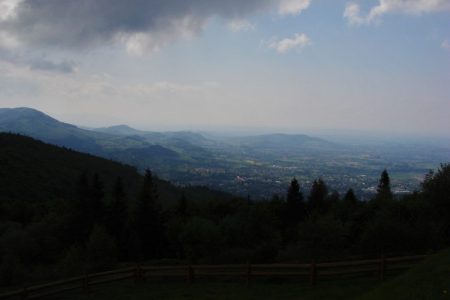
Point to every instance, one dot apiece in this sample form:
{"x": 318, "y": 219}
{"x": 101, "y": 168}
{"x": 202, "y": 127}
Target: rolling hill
{"x": 139, "y": 148}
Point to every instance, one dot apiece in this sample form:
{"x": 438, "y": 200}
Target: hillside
{"x": 138, "y": 148}
{"x": 51, "y": 172}
{"x": 36, "y": 124}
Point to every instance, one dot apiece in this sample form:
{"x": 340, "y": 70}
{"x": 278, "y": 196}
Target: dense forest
{"x": 64, "y": 213}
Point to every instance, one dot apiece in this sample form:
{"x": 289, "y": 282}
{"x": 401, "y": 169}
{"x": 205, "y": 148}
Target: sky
{"x": 272, "y": 65}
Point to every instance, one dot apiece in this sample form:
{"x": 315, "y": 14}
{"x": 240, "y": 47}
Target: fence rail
{"x": 312, "y": 271}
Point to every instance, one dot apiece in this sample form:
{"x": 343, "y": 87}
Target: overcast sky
{"x": 278, "y": 65}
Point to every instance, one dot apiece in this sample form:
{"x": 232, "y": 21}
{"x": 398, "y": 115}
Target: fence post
{"x": 313, "y": 275}
{"x": 190, "y": 274}
{"x": 249, "y": 273}
{"x": 382, "y": 268}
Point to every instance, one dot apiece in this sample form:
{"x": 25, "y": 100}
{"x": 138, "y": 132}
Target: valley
{"x": 257, "y": 166}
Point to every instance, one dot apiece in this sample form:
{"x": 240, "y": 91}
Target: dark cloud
{"x": 84, "y": 23}
{"x": 48, "y": 65}
{"x": 34, "y": 62}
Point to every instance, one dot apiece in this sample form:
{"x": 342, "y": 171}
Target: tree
{"x": 80, "y": 221}
{"x": 436, "y": 192}
{"x": 294, "y": 211}
{"x": 181, "y": 208}
{"x": 117, "y": 218}
{"x": 147, "y": 219}
{"x": 294, "y": 202}
{"x": 317, "y": 197}
{"x": 384, "y": 187}
{"x": 350, "y": 199}
{"x": 96, "y": 205}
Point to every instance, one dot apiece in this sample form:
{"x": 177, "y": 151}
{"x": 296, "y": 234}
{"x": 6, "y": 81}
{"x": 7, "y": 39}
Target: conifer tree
{"x": 317, "y": 197}
{"x": 117, "y": 218}
{"x": 350, "y": 198}
{"x": 96, "y": 205}
{"x": 181, "y": 209}
{"x": 147, "y": 219}
{"x": 294, "y": 203}
{"x": 80, "y": 224}
{"x": 384, "y": 187}
{"x": 294, "y": 212}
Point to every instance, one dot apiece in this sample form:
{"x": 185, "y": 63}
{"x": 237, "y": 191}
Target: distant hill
{"x": 120, "y": 130}
{"x": 36, "y": 124}
{"x": 282, "y": 142}
{"x": 154, "y": 137}
{"x": 113, "y": 142}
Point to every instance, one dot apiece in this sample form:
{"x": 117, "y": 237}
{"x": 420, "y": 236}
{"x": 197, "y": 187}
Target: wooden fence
{"x": 311, "y": 273}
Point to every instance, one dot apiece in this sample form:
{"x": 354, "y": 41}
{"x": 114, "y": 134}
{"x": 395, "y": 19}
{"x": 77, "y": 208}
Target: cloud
{"x": 293, "y": 7}
{"x": 64, "y": 66}
{"x": 411, "y": 7}
{"x": 287, "y": 44}
{"x": 36, "y": 62}
{"x": 7, "y": 9}
{"x": 241, "y": 25}
{"x": 446, "y": 44}
{"x": 141, "y": 25}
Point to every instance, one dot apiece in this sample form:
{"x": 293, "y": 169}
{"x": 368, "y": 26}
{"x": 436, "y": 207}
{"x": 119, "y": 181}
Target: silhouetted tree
{"x": 80, "y": 222}
{"x": 294, "y": 202}
{"x": 436, "y": 191}
{"x": 294, "y": 211}
{"x": 97, "y": 206}
{"x": 384, "y": 187}
{"x": 350, "y": 198}
{"x": 181, "y": 208}
{"x": 147, "y": 219}
{"x": 117, "y": 218}
{"x": 317, "y": 197}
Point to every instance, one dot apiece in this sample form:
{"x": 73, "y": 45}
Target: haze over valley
{"x": 257, "y": 166}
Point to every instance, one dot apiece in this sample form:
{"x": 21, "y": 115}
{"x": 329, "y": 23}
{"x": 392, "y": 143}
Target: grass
{"x": 428, "y": 280}
{"x": 230, "y": 291}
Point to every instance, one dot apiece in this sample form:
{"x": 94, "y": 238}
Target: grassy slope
{"x": 428, "y": 280}
{"x": 235, "y": 291}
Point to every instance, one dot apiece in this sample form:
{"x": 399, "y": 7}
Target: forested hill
{"x": 34, "y": 172}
